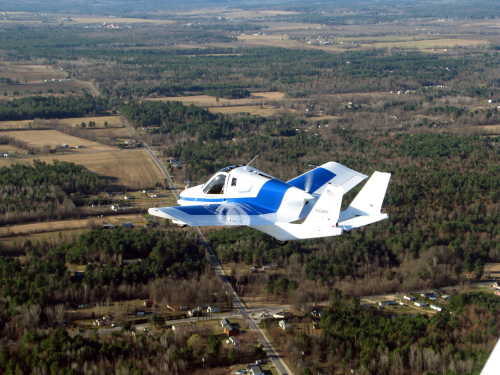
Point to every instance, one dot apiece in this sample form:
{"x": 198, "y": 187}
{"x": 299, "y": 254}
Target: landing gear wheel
{"x": 281, "y": 243}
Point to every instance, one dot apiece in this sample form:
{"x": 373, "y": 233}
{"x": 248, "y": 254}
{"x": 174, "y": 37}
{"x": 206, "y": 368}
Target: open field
{"x": 29, "y": 73}
{"x": 115, "y": 128}
{"x": 68, "y": 229}
{"x": 117, "y": 21}
{"x": 59, "y": 88}
{"x": 206, "y": 101}
{"x": 261, "y": 110}
{"x": 492, "y": 269}
{"x": 128, "y": 168}
{"x": 53, "y": 138}
{"x": 131, "y": 168}
{"x": 113, "y": 121}
{"x": 8, "y": 149}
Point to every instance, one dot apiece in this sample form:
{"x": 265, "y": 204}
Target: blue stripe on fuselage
{"x": 318, "y": 177}
{"x": 268, "y": 200}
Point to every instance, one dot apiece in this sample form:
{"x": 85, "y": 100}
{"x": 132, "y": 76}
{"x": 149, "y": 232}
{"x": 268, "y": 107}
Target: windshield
{"x": 216, "y": 185}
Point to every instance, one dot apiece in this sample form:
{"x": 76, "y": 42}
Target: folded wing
{"x": 227, "y": 213}
{"x": 315, "y": 181}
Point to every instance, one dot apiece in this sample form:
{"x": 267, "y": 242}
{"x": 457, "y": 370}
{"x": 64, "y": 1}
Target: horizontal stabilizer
{"x": 367, "y": 206}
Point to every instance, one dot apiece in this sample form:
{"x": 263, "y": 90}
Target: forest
{"x": 423, "y": 110}
{"x": 356, "y": 337}
{"x": 42, "y": 191}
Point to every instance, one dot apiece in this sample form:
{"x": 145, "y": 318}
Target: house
{"x": 213, "y": 309}
{"x": 437, "y": 308}
{"x": 231, "y": 329}
{"x": 233, "y": 340}
{"x": 387, "y": 303}
{"x": 284, "y": 325}
{"x": 421, "y": 304}
{"x": 282, "y": 315}
{"x": 129, "y": 197}
{"x": 195, "y": 312}
{"x": 149, "y": 303}
{"x": 317, "y": 313}
{"x": 223, "y": 322}
{"x": 410, "y": 298}
{"x": 255, "y": 370}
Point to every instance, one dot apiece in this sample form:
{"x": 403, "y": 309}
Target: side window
{"x": 233, "y": 182}
{"x": 216, "y": 186}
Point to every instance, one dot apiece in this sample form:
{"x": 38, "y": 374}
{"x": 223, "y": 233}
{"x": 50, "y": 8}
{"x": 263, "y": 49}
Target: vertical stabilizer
{"x": 366, "y": 207}
{"x": 327, "y": 208}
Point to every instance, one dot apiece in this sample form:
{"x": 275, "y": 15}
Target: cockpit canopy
{"x": 216, "y": 184}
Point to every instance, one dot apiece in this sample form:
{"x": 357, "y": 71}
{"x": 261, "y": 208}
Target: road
{"x": 237, "y": 303}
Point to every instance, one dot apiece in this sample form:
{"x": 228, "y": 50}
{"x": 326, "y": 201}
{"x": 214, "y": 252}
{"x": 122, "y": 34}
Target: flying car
{"x": 308, "y": 206}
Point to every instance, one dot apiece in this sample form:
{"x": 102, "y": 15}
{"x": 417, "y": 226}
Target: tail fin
{"x": 327, "y": 208}
{"x": 366, "y": 207}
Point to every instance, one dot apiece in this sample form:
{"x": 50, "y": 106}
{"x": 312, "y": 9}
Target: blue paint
{"x": 268, "y": 200}
{"x": 318, "y": 177}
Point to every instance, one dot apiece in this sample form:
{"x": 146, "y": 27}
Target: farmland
{"x": 407, "y": 89}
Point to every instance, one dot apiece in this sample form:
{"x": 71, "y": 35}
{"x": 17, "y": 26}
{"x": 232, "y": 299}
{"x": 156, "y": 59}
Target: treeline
{"x": 186, "y": 352}
{"x": 50, "y": 107}
{"x": 40, "y": 191}
{"x": 43, "y": 278}
{"x": 457, "y": 340}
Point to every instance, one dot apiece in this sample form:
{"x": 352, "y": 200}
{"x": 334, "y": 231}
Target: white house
{"x": 213, "y": 309}
{"x": 437, "y": 308}
{"x": 284, "y": 325}
{"x": 421, "y": 304}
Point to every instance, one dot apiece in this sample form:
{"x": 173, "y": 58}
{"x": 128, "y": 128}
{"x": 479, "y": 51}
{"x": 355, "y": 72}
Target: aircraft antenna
{"x": 253, "y": 160}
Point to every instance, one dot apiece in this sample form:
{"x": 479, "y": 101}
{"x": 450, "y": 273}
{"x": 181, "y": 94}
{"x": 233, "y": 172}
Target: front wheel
{"x": 281, "y": 243}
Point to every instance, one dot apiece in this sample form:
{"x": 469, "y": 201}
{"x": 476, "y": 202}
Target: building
{"x": 410, "y": 298}
{"x": 387, "y": 303}
{"x": 213, "y": 309}
{"x": 255, "y": 370}
{"x": 231, "y": 329}
{"x": 421, "y": 304}
{"x": 437, "y": 308}
{"x": 284, "y": 325}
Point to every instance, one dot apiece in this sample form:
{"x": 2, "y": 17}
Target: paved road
{"x": 237, "y": 303}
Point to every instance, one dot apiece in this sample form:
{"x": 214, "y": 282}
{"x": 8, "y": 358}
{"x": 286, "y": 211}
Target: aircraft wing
{"x": 227, "y": 213}
{"x": 315, "y": 181}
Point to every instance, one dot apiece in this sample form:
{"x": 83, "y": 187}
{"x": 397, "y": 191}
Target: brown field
{"x": 60, "y": 88}
{"x": 260, "y": 110}
{"x": 29, "y": 73}
{"x": 493, "y": 269}
{"x": 113, "y": 121}
{"x": 53, "y": 138}
{"x": 257, "y": 98}
{"x": 69, "y": 229}
{"x": 131, "y": 168}
{"x": 11, "y": 150}
{"x": 118, "y": 21}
